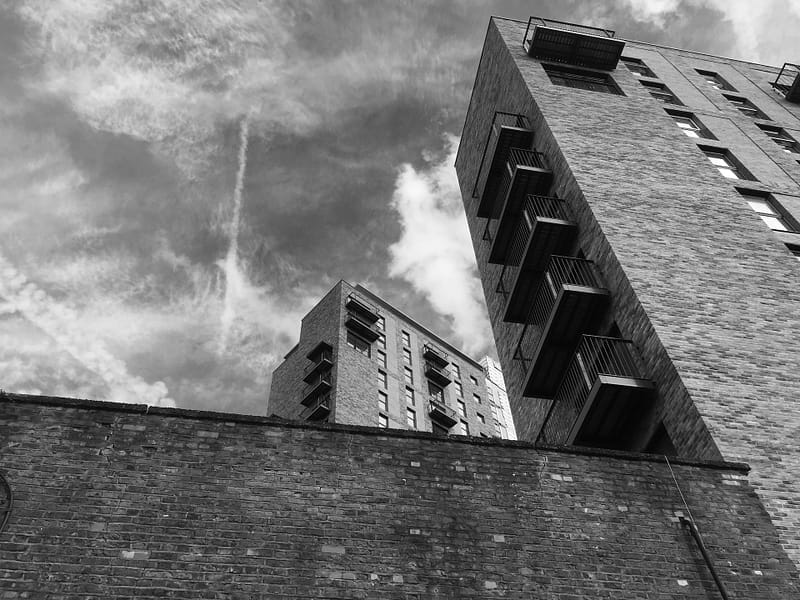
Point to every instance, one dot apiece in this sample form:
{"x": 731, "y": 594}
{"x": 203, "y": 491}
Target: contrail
{"x": 60, "y": 323}
{"x": 233, "y": 276}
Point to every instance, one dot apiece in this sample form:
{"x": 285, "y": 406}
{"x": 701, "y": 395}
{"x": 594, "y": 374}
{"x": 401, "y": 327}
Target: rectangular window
{"x": 456, "y": 371}
{"x": 381, "y": 324}
{"x": 463, "y": 428}
{"x": 584, "y": 80}
{"x": 383, "y": 401}
{"x": 406, "y": 356}
{"x": 383, "y": 421}
{"x": 406, "y": 338}
{"x": 481, "y": 418}
{"x": 661, "y": 92}
{"x": 458, "y": 388}
{"x": 436, "y": 392}
{"x": 746, "y": 107}
{"x": 726, "y": 164}
{"x": 636, "y": 65}
{"x": 408, "y": 374}
{"x": 410, "y": 396}
{"x": 462, "y": 408}
{"x": 411, "y": 418}
{"x": 357, "y": 343}
{"x": 473, "y": 380}
{"x": 690, "y": 125}
{"x": 714, "y": 80}
{"x": 383, "y": 381}
{"x": 382, "y": 358}
{"x": 476, "y": 398}
{"x": 381, "y": 341}
{"x": 780, "y": 137}
{"x": 766, "y": 208}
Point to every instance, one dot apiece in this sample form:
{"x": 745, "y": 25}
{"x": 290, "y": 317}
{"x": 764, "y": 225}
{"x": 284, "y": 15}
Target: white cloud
{"x": 434, "y": 253}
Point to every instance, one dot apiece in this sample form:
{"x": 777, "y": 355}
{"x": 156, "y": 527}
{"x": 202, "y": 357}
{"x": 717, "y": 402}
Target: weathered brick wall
{"x": 111, "y": 501}
{"x": 699, "y": 283}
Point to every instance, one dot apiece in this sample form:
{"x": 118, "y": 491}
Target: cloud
{"x": 434, "y": 253}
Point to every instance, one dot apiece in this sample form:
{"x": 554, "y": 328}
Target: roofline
{"x": 202, "y": 415}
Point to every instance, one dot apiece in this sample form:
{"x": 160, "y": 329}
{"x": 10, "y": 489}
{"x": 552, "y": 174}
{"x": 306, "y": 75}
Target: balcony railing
{"x": 436, "y": 373}
{"x": 367, "y": 311}
{"x": 600, "y": 397}
{"x": 441, "y": 413}
{"x": 361, "y": 324}
{"x": 507, "y": 130}
{"x": 318, "y": 410}
{"x": 788, "y": 82}
{"x": 435, "y": 355}
{"x": 318, "y": 385}
{"x": 322, "y": 360}
{"x": 570, "y": 43}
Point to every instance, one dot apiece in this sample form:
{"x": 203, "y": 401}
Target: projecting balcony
{"x": 441, "y": 413}
{"x": 320, "y": 384}
{"x": 526, "y": 173}
{"x": 321, "y": 358}
{"x": 507, "y": 131}
{"x": 544, "y": 229}
{"x": 437, "y": 374}
{"x": 602, "y": 398}
{"x": 361, "y": 318}
{"x": 435, "y": 356}
{"x": 319, "y": 409}
{"x": 570, "y": 301}
{"x": 788, "y": 82}
{"x": 572, "y": 44}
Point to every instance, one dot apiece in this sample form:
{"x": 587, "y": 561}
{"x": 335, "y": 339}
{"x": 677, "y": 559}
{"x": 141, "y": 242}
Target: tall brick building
{"x": 498, "y": 398}
{"x": 361, "y": 361}
{"x": 634, "y": 212}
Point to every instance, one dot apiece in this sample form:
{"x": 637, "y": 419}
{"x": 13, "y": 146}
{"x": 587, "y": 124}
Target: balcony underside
{"x": 548, "y": 237}
{"x": 318, "y": 410}
{"x": 438, "y": 377}
{"x": 442, "y": 416}
{"x": 437, "y": 358}
{"x": 576, "y": 311}
{"x": 509, "y": 137}
{"x": 323, "y": 364}
{"x": 367, "y": 313}
{"x": 793, "y": 92}
{"x": 315, "y": 392}
{"x": 575, "y": 48}
{"x": 613, "y": 408}
{"x": 526, "y": 180}
{"x": 362, "y": 329}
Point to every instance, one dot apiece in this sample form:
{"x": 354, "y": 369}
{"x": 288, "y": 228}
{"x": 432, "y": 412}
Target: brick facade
{"x": 117, "y": 501}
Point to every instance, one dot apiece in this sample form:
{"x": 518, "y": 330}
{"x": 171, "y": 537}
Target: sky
{"x": 180, "y": 182}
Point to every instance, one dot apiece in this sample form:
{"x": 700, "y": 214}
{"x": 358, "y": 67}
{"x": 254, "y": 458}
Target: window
{"x": 726, "y": 164}
{"x": 408, "y": 374}
{"x": 661, "y": 92}
{"x": 406, "y": 338}
{"x": 382, "y": 379}
{"x": 462, "y": 408}
{"x": 476, "y": 398}
{"x": 382, "y": 358}
{"x": 766, "y": 209}
{"x": 463, "y": 428}
{"x": 411, "y": 418}
{"x": 383, "y": 421}
{"x": 357, "y": 343}
{"x": 410, "y": 396}
{"x": 456, "y": 371}
{"x": 481, "y": 418}
{"x": 794, "y": 250}
{"x": 744, "y": 105}
{"x": 383, "y": 401}
{"x": 714, "y": 80}
{"x": 584, "y": 80}
{"x": 780, "y": 137}
{"x": 689, "y": 124}
{"x": 458, "y": 388}
{"x": 381, "y": 341}
{"x": 636, "y": 65}
{"x": 406, "y": 356}
{"x": 473, "y": 380}
{"x": 381, "y": 324}
{"x": 436, "y": 392}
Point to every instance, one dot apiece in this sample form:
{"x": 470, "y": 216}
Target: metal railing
{"x": 323, "y": 402}
{"x": 437, "y": 405}
{"x": 520, "y": 239}
{"x": 318, "y": 359}
{"x": 322, "y": 378}
{"x": 535, "y": 22}
{"x": 506, "y": 280}
{"x": 520, "y": 157}
{"x": 356, "y": 302}
{"x": 596, "y": 355}
{"x": 436, "y": 369}
{"x": 545, "y": 206}
{"x": 500, "y": 119}
{"x": 432, "y": 353}
{"x": 786, "y": 77}
{"x": 357, "y": 316}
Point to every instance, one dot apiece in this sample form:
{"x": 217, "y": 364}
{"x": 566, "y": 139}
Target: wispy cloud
{"x": 434, "y": 253}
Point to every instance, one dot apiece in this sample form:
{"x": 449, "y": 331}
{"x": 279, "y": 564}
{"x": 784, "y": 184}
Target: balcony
{"x": 788, "y": 82}
{"x": 438, "y": 374}
{"x": 318, "y": 410}
{"x": 318, "y": 385}
{"x": 441, "y": 413}
{"x": 508, "y": 131}
{"x": 572, "y": 44}
{"x": 321, "y": 358}
{"x": 543, "y": 230}
{"x": 602, "y": 398}
{"x": 570, "y": 301}
{"x": 361, "y": 318}
{"x": 435, "y": 356}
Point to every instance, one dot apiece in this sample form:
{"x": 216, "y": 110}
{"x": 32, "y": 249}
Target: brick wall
{"x": 114, "y": 501}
